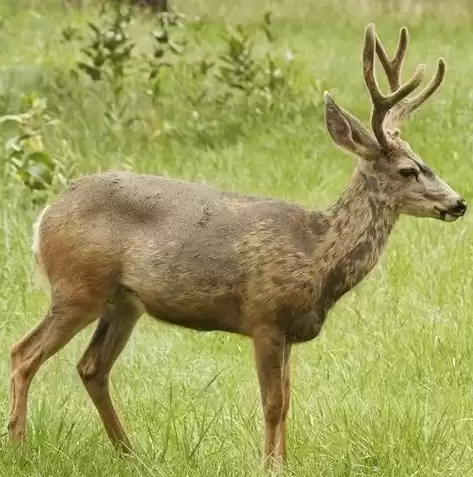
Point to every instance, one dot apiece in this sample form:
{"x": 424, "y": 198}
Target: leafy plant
{"x": 163, "y": 47}
{"x": 248, "y": 74}
{"x": 109, "y": 52}
{"x": 275, "y": 78}
{"x": 240, "y": 68}
{"x": 24, "y": 149}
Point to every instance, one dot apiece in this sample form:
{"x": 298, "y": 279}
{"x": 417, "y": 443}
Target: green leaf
{"x": 95, "y": 29}
{"x": 13, "y": 144}
{"x": 39, "y": 103}
{"x": 38, "y": 176}
{"x": 41, "y": 157}
{"x": 94, "y": 73}
{"x": 15, "y": 118}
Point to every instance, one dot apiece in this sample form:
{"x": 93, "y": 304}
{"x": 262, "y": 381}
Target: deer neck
{"x": 363, "y": 214}
{"x": 357, "y": 229}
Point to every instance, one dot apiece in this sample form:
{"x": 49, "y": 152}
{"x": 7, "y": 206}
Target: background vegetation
{"x": 386, "y": 390}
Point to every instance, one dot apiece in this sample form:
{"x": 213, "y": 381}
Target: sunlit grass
{"x": 386, "y": 390}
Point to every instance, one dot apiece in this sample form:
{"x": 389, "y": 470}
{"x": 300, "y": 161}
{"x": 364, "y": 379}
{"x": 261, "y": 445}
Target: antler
{"x": 383, "y": 104}
{"x": 393, "y": 69}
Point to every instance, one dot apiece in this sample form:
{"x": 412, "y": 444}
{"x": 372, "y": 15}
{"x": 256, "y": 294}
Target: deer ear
{"x": 347, "y": 132}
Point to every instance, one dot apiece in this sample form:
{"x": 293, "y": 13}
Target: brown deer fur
{"x": 116, "y": 245}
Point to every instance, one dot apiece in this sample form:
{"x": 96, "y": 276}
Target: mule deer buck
{"x": 116, "y": 245}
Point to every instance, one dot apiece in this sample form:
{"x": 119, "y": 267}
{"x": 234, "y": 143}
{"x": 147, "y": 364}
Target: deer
{"x": 115, "y": 245}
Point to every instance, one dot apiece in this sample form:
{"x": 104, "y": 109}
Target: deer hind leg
{"x": 272, "y": 356}
{"x": 69, "y": 313}
{"x": 112, "y": 334}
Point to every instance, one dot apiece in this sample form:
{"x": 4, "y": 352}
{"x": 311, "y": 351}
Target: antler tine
{"x": 393, "y": 68}
{"x": 411, "y": 104}
{"x": 382, "y": 104}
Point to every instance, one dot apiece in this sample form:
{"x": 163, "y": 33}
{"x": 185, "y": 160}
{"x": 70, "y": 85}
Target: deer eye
{"x": 409, "y": 172}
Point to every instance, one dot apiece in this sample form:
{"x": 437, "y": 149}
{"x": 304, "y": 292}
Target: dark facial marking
{"x": 426, "y": 170}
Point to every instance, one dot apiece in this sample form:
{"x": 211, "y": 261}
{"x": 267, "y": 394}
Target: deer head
{"x": 399, "y": 176}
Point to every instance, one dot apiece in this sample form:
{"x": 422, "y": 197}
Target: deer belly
{"x": 206, "y": 312}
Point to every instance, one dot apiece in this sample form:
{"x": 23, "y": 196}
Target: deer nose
{"x": 459, "y": 208}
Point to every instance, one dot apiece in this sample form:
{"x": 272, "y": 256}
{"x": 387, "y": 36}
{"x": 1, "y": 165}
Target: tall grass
{"x": 386, "y": 390}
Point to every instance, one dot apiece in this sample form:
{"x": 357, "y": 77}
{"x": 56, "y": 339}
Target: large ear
{"x": 347, "y": 132}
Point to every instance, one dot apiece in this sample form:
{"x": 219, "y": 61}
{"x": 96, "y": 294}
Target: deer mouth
{"x": 450, "y": 215}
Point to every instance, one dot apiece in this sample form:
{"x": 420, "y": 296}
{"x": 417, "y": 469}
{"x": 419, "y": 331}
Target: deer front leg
{"x": 286, "y": 392}
{"x": 272, "y": 358}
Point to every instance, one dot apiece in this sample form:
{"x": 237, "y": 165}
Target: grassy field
{"x": 387, "y": 389}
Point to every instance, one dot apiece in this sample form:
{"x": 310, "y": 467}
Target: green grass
{"x": 386, "y": 390}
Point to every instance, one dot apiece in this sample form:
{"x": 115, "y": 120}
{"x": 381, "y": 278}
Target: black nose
{"x": 460, "y": 207}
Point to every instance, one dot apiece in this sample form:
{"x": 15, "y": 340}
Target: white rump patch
{"x": 35, "y": 246}
{"x": 36, "y": 226}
